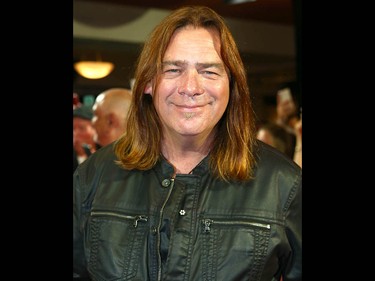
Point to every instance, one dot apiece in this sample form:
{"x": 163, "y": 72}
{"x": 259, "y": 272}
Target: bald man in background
{"x": 110, "y": 114}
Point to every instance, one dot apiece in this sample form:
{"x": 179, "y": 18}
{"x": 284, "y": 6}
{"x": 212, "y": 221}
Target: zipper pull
{"x": 138, "y": 218}
{"x": 206, "y": 225}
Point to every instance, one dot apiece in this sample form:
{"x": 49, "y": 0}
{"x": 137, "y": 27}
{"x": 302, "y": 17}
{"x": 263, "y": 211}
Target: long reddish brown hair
{"x": 232, "y": 156}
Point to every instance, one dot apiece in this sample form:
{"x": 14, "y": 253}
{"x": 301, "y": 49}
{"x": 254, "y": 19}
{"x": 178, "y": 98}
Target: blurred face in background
{"x": 101, "y": 123}
{"x": 83, "y": 132}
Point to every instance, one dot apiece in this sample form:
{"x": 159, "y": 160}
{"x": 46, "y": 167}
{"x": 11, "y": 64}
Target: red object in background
{"x": 76, "y": 101}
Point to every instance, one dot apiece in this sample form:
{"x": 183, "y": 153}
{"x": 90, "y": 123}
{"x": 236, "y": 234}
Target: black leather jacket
{"x": 145, "y": 225}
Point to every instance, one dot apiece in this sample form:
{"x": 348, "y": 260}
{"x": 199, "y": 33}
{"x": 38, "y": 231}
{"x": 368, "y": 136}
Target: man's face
{"x": 194, "y": 88}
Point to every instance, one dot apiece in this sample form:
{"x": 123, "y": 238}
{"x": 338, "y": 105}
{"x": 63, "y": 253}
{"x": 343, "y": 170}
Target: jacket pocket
{"x": 115, "y": 241}
{"x": 233, "y": 249}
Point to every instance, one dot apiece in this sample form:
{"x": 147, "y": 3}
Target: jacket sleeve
{"x": 79, "y": 260}
{"x": 293, "y": 216}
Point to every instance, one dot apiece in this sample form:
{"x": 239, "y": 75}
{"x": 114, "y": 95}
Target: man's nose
{"x": 191, "y": 83}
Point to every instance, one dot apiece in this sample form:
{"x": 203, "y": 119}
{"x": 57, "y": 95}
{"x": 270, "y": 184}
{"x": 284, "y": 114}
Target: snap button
{"x": 166, "y": 183}
{"x": 182, "y": 212}
{"x": 153, "y": 230}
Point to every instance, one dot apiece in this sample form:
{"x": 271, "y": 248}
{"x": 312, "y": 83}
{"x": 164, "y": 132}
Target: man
{"x": 84, "y": 135}
{"x": 110, "y": 114}
{"x": 188, "y": 193}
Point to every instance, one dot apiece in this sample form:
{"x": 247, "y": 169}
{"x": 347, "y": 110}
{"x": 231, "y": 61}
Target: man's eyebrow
{"x": 210, "y": 65}
{"x": 198, "y": 64}
{"x": 174, "y": 62}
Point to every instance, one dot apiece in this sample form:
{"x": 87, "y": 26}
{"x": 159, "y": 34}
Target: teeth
{"x": 188, "y": 115}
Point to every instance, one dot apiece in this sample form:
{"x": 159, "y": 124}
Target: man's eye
{"x": 172, "y": 70}
{"x": 210, "y": 74}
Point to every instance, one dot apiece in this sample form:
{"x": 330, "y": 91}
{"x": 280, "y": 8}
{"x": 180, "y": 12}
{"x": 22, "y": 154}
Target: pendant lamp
{"x": 94, "y": 69}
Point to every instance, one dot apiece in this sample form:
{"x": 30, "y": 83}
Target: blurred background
{"x": 268, "y": 34}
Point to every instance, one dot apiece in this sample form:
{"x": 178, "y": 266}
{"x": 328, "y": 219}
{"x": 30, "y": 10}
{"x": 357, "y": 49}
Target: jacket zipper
{"x": 159, "y": 225}
{"x": 208, "y": 222}
{"x": 135, "y": 219}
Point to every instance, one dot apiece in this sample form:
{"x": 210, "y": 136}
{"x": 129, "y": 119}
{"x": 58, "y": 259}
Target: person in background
{"x": 277, "y": 137}
{"x": 287, "y": 117}
{"x": 297, "y": 156}
{"x": 110, "y": 114}
{"x": 83, "y": 135}
{"x": 188, "y": 192}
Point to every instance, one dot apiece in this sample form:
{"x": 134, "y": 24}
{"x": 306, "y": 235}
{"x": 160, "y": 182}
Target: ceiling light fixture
{"x": 93, "y": 69}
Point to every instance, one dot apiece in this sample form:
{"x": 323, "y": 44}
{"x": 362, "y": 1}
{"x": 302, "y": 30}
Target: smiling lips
{"x": 190, "y": 106}
{"x": 189, "y": 111}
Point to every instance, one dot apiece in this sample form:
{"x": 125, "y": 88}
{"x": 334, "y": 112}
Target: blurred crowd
{"x": 99, "y": 123}
{"x": 285, "y": 132}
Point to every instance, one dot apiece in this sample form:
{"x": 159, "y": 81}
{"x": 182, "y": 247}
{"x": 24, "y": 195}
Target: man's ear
{"x": 148, "y": 89}
{"x": 112, "y": 120}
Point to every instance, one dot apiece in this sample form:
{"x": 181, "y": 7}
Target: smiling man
{"x": 188, "y": 193}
